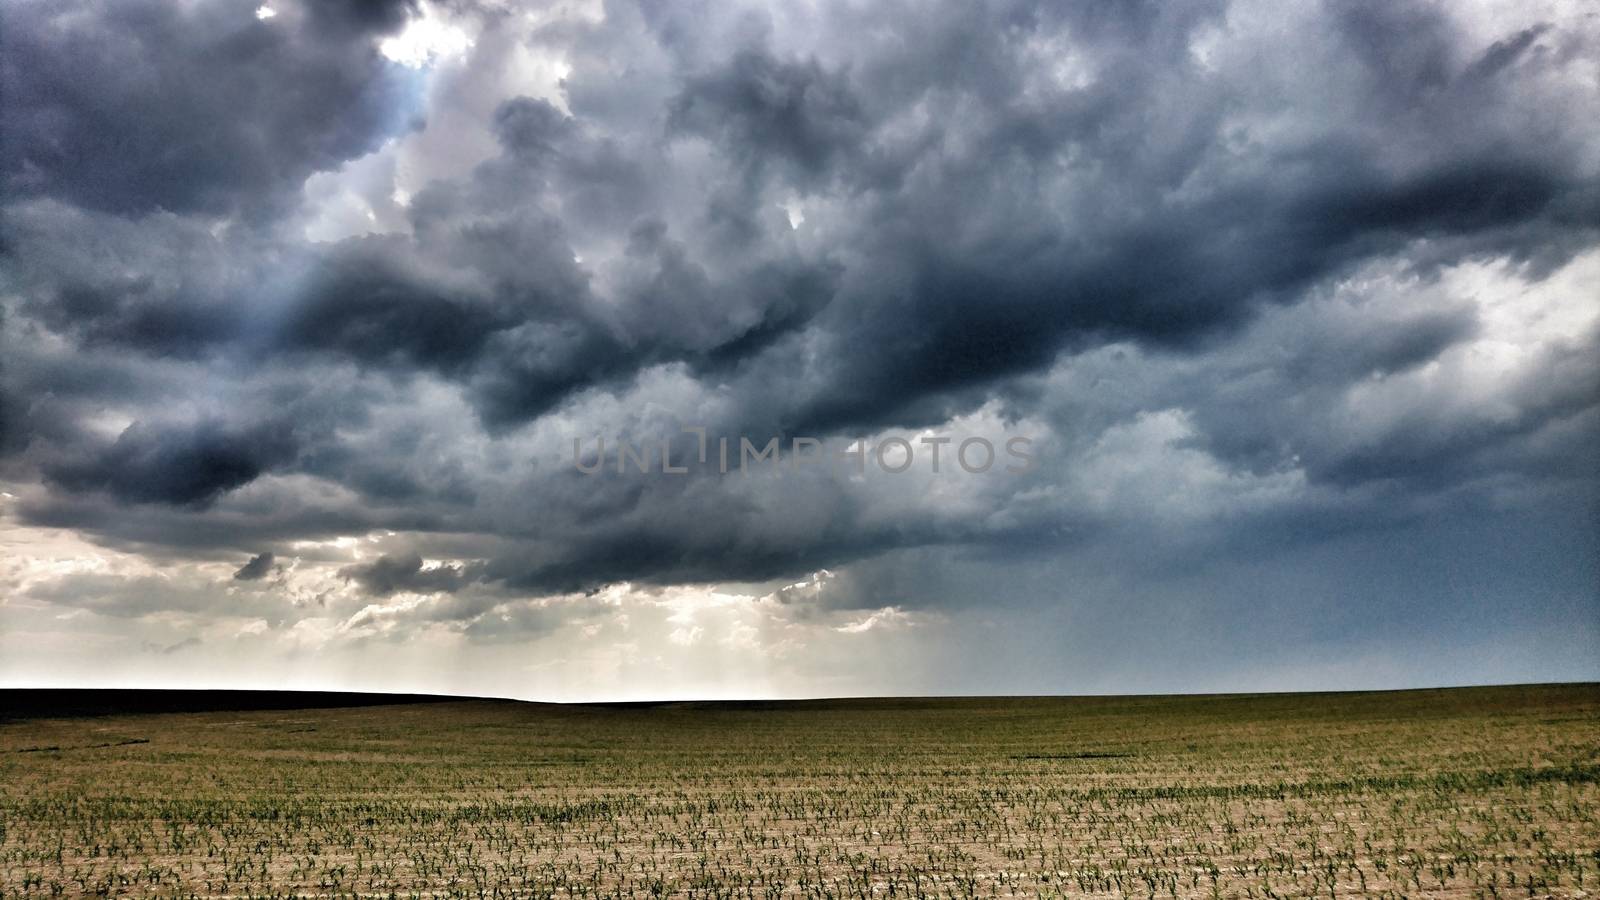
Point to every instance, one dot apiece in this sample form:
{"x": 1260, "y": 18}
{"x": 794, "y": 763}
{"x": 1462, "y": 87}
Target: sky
{"x": 1280, "y": 320}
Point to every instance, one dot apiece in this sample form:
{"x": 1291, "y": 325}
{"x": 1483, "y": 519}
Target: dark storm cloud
{"x": 1503, "y": 53}
{"x": 666, "y": 554}
{"x": 765, "y": 111}
{"x": 10, "y": 423}
{"x": 558, "y": 339}
{"x": 362, "y": 304}
{"x": 1294, "y": 412}
{"x": 1123, "y": 222}
{"x": 259, "y": 567}
{"x": 959, "y": 304}
{"x": 160, "y": 285}
{"x": 11, "y": 414}
{"x": 182, "y": 466}
{"x": 389, "y": 574}
{"x": 131, "y": 107}
{"x": 984, "y": 243}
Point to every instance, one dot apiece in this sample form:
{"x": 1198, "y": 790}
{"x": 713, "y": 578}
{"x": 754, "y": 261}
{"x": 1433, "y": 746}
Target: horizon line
{"x": 424, "y": 696}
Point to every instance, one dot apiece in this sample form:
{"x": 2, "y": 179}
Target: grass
{"x": 1477, "y": 792}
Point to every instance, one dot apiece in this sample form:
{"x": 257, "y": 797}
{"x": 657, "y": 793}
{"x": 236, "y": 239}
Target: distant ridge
{"x": 18, "y": 704}
{"x": 43, "y": 703}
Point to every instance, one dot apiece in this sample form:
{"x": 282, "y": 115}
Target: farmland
{"x": 1481, "y": 792}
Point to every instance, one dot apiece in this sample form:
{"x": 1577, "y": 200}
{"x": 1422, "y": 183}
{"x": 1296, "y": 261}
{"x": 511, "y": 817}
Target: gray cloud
{"x": 763, "y": 111}
{"x": 1263, "y": 280}
{"x": 185, "y": 466}
{"x": 258, "y": 567}
{"x": 135, "y": 107}
{"x": 389, "y": 574}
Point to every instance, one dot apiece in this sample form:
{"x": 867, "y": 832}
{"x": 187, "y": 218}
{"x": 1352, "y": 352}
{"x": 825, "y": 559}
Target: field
{"x": 1483, "y": 792}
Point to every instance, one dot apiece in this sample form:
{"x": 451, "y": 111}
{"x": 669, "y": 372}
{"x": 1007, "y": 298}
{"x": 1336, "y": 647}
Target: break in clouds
{"x": 303, "y": 305}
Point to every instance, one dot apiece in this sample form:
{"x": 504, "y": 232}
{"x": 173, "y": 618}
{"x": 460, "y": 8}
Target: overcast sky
{"x": 302, "y": 306}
